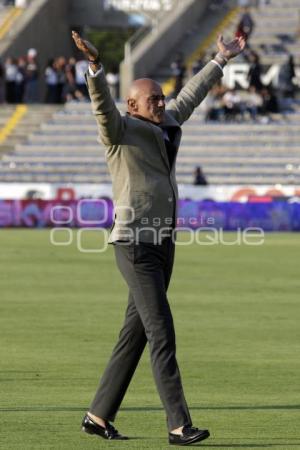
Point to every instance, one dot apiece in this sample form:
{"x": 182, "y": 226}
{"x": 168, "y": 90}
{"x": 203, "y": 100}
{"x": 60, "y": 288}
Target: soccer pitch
{"x": 236, "y": 311}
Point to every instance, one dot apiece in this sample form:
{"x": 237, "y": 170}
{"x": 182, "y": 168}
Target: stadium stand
{"x": 8, "y": 16}
{"x": 4, "y": 12}
{"x": 64, "y": 149}
{"x": 277, "y": 31}
{"x": 16, "y": 123}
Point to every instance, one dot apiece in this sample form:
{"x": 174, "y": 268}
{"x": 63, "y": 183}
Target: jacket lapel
{"x": 161, "y": 143}
{"x": 168, "y": 123}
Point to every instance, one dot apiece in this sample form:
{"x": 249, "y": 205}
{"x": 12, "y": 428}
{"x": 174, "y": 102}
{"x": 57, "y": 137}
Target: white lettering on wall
{"x": 236, "y": 74}
{"x": 139, "y": 5}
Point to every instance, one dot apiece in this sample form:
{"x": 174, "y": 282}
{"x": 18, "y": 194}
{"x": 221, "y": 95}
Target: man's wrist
{"x": 221, "y": 59}
{"x": 94, "y": 59}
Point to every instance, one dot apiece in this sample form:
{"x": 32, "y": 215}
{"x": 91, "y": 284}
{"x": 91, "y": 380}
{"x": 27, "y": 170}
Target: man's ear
{"x": 132, "y": 105}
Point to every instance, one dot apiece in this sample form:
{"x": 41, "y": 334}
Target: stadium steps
{"x": 183, "y": 169}
{"x": 7, "y": 17}
{"x": 30, "y": 123}
{"x": 277, "y": 25}
{"x": 194, "y": 125}
{"x": 284, "y": 160}
{"x": 65, "y": 149}
{"x": 185, "y": 179}
{"x": 191, "y": 139}
{"x": 4, "y": 10}
{"x": 200, "y": 148}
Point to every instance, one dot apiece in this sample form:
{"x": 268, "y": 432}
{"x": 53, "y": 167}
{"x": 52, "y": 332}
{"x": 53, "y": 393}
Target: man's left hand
{"x": 233, "y": 48}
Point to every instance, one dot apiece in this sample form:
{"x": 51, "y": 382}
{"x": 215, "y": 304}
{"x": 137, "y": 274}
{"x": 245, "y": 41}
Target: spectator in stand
{"x": 71, "y": 66}
{"x": 253, "y": 102}
{"x": 21, "y": 80}
{"x": 21, "y": 4}
{"x": 16, "y": 3}
{"x": 81, "y": 68}
{"x": 32, "y": 73}
{"x": 213, "y": 103}
{"x": 113, "y": 81}
{"x": 199, "y": 177}
{"x": 246, "y": 25}
{"x": 232, "y": 104}
{"x": 51, "y": 82}
{"x": 255, "y": 72}
{"x": 61, "y": 77}
{"x": 270, "y": 101}
{"x": 11, "y": 71}
{"x": 2, "y": 83}
{"x": 178, "y": 72}
{"x": 286, "y": 76}
{"x": 71, "y": 92}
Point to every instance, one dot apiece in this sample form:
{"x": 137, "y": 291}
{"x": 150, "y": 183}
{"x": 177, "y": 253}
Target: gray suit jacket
{"x": 144, "y": 185}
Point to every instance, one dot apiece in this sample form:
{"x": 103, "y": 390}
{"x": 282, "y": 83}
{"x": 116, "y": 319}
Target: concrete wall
{"x": 92, "y": 13}
{"x": 44, "y": 26}
{"x": 151, "y": 51}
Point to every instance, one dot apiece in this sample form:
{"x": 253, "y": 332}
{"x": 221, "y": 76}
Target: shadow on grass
{"x": 151, "y": 408}
{"x": 243, "y": 445}
{"x": 207, "y": 408}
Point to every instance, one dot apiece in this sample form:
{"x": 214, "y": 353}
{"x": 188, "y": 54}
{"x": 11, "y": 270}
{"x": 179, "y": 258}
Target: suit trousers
{"x": 147, "y": 270}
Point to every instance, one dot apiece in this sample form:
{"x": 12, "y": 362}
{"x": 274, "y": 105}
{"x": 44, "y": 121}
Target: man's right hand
{"x": 85, "y": 47}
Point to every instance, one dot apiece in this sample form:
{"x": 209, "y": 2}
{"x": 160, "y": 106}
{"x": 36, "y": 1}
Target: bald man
{"x": 141, "y": 149}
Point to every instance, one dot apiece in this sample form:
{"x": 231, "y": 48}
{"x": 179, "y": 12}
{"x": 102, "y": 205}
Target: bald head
{"x": 145, "y": 99}
{"x": 143, "y": 86}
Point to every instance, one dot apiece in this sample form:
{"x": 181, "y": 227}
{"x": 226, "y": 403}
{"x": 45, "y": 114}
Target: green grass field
{"x": 236, "y": 311}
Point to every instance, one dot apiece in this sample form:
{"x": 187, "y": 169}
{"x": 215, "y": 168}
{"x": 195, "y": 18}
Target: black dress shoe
{"x": 109, "y": 432}
{"x": 189, "y": 435}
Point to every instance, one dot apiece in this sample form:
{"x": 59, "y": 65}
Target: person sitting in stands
{"x": 199, "y": 177}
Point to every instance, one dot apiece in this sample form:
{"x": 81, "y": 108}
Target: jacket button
{"x": 170, "y": 199}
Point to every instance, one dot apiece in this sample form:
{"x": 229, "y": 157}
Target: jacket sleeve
{"x": 109, "y": 120}
{"x": 195, "y": 90}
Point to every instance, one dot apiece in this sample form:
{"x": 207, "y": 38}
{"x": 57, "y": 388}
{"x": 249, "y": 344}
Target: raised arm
{"x": 108, "y": 117}
{"x": 196, "y": 89}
